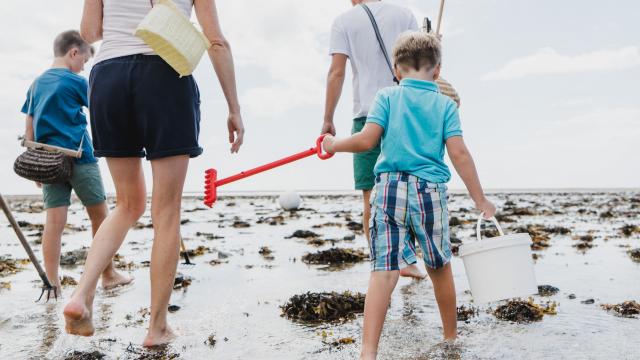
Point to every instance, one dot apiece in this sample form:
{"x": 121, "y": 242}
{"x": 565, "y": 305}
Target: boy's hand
{"x": 327, "y": 144}
{"x": 486, "y": 207}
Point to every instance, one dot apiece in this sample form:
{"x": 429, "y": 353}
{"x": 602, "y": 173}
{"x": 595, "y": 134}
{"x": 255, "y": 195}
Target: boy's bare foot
{"x": 78, "y": 319}
{"x": 368, "y": 356}
{"x": 159, "y": 337}
{"x": 413, "y": 271}
{"x": 115, "y": 279}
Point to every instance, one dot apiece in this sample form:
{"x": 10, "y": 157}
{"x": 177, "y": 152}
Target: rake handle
{"x": 24, "y": 242}
{"x": 440, "y": 17}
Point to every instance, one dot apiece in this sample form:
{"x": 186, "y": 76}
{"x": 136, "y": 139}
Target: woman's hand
{"x": 236, "y": 131}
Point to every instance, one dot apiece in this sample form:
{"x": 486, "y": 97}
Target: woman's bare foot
{"x": 413, "y": 271}
{"x": 158, "y": 337}
{"x": 115, "y": 279}
{"x": 77, "y": 318}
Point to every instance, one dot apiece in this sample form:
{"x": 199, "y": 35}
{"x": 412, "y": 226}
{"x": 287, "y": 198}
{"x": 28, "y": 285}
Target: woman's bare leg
{"x": 168, "y": 181}
{"x": 110, "y": 277}
{"x": 131, "y": 200}
{"x": 51, "y": 242}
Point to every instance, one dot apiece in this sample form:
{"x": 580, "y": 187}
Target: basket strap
{"x": 380, "y": 41}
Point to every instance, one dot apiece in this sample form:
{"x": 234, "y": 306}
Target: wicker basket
{"x": 173, "y": 37}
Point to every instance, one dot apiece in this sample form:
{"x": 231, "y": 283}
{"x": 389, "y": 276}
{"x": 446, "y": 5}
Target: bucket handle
{"x": 495, "y": 222}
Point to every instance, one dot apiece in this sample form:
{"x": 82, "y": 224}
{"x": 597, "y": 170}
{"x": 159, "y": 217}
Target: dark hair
{"x": 69, "y": 40}
{"x": 417, "y": 50}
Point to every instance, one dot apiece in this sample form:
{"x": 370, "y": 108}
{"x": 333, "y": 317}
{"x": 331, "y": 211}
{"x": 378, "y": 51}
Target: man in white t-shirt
{"x": 353, "y": 37}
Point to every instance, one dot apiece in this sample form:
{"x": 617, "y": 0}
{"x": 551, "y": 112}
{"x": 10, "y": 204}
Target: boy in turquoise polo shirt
{"x": 414, "y": 124}
{"x": 55, "y": 116}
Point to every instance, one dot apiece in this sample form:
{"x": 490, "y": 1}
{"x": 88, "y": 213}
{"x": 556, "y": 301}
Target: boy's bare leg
{"x": 168, "y": 181}
{"x": 381, "y": 285}
{"x": 110, "y": 277}
{"x": 445, "y": 291}
{"x": 411, "y": 270}
{"x": 51, "y": 242}
{"x": 131, "y": 200}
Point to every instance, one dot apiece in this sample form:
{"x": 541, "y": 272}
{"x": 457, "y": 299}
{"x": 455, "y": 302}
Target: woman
{"x": 140, "y": 107}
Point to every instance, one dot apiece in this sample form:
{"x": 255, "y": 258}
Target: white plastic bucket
{"x": 500, "y": 267}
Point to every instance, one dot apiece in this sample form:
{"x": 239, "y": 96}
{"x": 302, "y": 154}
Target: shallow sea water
{"x": 239, "y": 301}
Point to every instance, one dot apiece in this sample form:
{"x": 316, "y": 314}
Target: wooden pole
{"x": 440, "y": 17}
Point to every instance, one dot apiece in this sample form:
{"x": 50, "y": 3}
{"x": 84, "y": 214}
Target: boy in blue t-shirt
{"x": 414, "y": 123}
{"x": 54, "y": 109}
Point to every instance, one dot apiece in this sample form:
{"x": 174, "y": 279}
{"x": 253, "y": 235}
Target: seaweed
{"x": 266, "y": 253}
{"x": 629, "y": 230}
{"x": 211, "y": 340}
{"x": 68, "y": 281}
{"x": 466, "y": 313}
{"x": 547, "y": 290}
{"x": 323, "y": 307}
{"x": 81, "y": 355}
{"x": 161, "y": 352}
{"x": 199, "y": 251}
{"x": 521, "y": 311}
{"x": 74, "y": 257}
{"x": 240, "y": 224}
{"x": 303, "y": 234}
{"x": 634, "y": 254}
{"x": 335, "y": 256}
{"x": 9, "y": 266}
{"x": 627, "y": 309}
{"x": 181, "y": 281}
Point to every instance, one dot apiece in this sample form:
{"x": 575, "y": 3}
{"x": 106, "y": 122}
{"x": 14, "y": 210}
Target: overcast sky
{"x": 549, "y": 89}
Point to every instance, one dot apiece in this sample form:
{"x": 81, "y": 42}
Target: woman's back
{"x": 119, "y": 21}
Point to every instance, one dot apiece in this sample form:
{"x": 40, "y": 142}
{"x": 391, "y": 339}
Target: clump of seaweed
{"x": 9, "y": 266}
{"x": 68, "y": 281}
{"x": 161, "y": 352}
{"x": 547, "y": 290}
{"x": 199, "y": 251}
{"x": 629, "y": 230}
{"x": 466, "y": 313}
{"x": 211, "y": 340}
{"x": 521, "y": 311}
{"x": 81, "y": 355}
{"x": 74, "y": 257}
{"x": 635, "y": 254}
{"x": 303, "y": 234}
{"x": 266, "y": 253}
{"x": 323, "y": 307}
{"x": 181, "y": 281}
{"x": 626, "y": 309}
{"x": 335, "y": 256}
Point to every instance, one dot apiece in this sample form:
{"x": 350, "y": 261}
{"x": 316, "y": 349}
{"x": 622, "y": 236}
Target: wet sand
{"x": 231, "y": 308}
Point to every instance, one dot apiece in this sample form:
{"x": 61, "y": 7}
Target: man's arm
{"x": 466, "y": 168}
{"x": 91, "y": 23}
{"x": 365, "y": 140}
{"x": 28, "y": 131}
{"x": 335, "y": 80}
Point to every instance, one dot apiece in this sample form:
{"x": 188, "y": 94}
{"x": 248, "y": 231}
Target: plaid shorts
{"x": 406, "y": 209}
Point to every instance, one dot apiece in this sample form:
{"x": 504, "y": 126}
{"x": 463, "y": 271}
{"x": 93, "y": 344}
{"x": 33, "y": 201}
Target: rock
{"x": 81, "y": 355}
{"x": 588, "y": 301}
{"x": 173, "y": 308}
{"x": 629, "y": 230}
{"x": 354, "y": 226}
{"x": 349, "y": 237}
{"x": 181, "y": 281}
{"x": 606, "y": 214}
{"x": 625, "y": 309}
{"x": 75, "y": 257}
{"x": 240, "y": 224}
{"x": 335, "y": 256}
{"x": 635, "y": 254}
{"x": 454, "y": 221}
{"x": 324, "y": 307}
{"x": 571, "y": 296}
{"x": 547, "y": 290}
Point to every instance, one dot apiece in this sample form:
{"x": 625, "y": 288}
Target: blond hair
{"x": 417, "y": 50}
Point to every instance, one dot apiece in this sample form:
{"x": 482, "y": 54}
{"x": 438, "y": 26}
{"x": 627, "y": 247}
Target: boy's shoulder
{"x": 62, "y": 75}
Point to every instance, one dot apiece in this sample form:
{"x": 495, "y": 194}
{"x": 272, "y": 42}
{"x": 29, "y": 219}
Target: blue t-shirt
{"x": 59, "y": 96}
{"x": 417, "y": 121}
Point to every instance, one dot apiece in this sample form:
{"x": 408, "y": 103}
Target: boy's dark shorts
{"x": 363, "y": 163}
{"x": 140, "y": 107}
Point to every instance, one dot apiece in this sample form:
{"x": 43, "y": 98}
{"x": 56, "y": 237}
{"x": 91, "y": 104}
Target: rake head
{"x": 210, "y": 194}
{"x": 48, "y": 290}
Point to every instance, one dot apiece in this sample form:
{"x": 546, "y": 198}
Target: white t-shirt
{"x": 352, "y": 34}
{"x": 120, "y": 18}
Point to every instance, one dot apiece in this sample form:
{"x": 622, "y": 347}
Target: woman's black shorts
{"x": 140, "y": 107}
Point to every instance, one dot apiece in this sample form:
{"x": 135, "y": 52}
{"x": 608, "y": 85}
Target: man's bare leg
{"x": 168, "y": 182}
{"x": 110, "y": 277}
{"x": 51, "y": 242}
{"x": 131, "y": 198}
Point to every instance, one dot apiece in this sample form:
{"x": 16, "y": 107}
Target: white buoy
{"x": 290, "y": 200}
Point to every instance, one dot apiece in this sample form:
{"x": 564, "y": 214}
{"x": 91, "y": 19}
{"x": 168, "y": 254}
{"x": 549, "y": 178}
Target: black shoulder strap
{"x": 380, "y": 41}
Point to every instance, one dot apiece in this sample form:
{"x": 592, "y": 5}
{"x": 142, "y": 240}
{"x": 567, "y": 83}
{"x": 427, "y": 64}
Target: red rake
{"x": 211, "y": 182}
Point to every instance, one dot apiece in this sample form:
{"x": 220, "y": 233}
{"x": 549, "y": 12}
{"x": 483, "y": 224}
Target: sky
{"x": 549, "y": 89}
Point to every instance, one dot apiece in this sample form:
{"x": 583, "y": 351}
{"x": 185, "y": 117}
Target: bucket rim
{"x": 487, "y": 244}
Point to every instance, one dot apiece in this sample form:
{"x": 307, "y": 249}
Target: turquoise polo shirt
{"x": 417, "y": 121}
{"x": 56, "y": 101}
